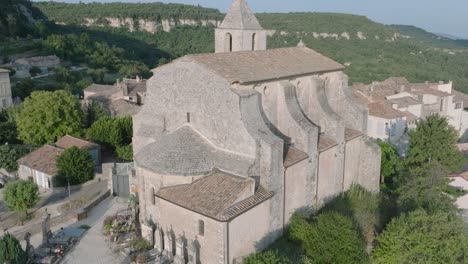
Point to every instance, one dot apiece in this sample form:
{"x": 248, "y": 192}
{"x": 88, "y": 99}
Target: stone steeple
{"x": 240, "y": 16}
{"x": 240, "y": 30}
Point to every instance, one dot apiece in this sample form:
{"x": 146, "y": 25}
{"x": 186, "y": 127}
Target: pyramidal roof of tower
{"x": 240, "y": 16}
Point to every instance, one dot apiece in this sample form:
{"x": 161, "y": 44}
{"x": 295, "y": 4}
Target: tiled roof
{"x": 240, "y": 16}
{"x": 263, "y": 65}
{"x": 121, "y": 107}
{"x": 325, "y": 143}
{"x": 43, "y": 159}
{"x": 219, "y": 196}
{"x": 384, "y": 110}
{"x": 70, "y": 141}
{"x": 134, "y": 87}
{"x": 185, "y": 152}
{"x": 410, "y": 117}
{"x": 293, "y": 156}
{"x": 405, "y": 101}
{"x": 351, "y": 134}
{"x": 460, "y": 97}
{"x": 426, "y": 90}
{"x": 99, "y": 88}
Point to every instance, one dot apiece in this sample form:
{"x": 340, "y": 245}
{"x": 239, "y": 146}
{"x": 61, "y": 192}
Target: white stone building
{"x": 229, "y": 145}
{"x": 5, "y": 89}
{"x": 395, "y": 105}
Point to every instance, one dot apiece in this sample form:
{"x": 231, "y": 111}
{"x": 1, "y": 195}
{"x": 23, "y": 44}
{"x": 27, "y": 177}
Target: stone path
{"x": 94, "y": 246}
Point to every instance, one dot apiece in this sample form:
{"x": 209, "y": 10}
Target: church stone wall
{"x": 186, "y": 223}
{"x": 249, "y": 232}
{"x": 186, "y": 92}
{"x": 330, "y": 182}
{"x": 297, "y": 197}
{"x": 342, "y": 102}
{"x": 369, "y": 166}
{"x": 241, "y": 40}
{"x": 353, "y": 158}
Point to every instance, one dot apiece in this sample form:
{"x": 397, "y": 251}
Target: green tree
{"x": 11, "y": 251}
{"x": 94, "y": 112}
{"x": 9, "y": 154}
{"x": 21, "y": 195}
{"x": 23, "y": 89}
{"x": 390, "y": 162}
{"x": 76, "y": 165}
{"x": 419, "y": 237}
{"x": 112, "y": 132}
{"x": 47, "y": 116}
{"x": 329, "y": 238}
{"x": 125, "y": 153}
{"x": 434, "y": 139}
{"x": 267, "y": 257}
{"x": 35, "y": 70}
{"x": 425, "y": 187}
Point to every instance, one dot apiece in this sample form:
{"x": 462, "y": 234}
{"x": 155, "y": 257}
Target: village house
{"x": 229, "y": 145}
{"x": 22, "y": 66}
{"x": 124, "y": 98}
{"x": 40, "y": 166}
{"x": 395, "y": 105}
{"x": 5, "y": 89}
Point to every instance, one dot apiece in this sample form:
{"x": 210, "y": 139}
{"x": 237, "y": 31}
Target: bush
{"x": 125, "y": 153}
{"x": 267, "y": 257}
{"x": 419, "y": 237}
{"x": 75, "y": 165}
{"x": 140, "y": 244}
{"x": 11, "y": 251}
{"x": 112, "y": 132}
{"x": 329, "y": 238}
{"x": 21, "y": 195}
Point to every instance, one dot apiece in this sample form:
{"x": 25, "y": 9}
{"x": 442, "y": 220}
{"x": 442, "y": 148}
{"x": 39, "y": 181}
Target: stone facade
{"x": 5, "y": 90}
{"x": 229, "y": 145}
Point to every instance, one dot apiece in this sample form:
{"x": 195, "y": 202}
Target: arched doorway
{"x": 254, "y": 37}
{"x": 228, "y": 43}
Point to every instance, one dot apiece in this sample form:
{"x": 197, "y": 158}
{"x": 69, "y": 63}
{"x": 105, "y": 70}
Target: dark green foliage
{"x": 370, "y": 212}
{"x": 112, "y": 132}
{"x": 10, "y": 250}
{"x": 125, "y": 153}
{"x": 434, "y": 140}
{"x": 329, "y": 238}
{"x": 423, "y": 37}
{"x": 390, "y": 164}
{"x": 13, "y": 22}
{"x": 35, "y": 70}
{"x": 21, "y": 195}
{"x": 9, "y": 154}
{"x": 47, "y": 116}
{"x": 23, "y": 89}
{"x": 267, "y": 257}
{"x": 94, "y": 112}
{"x": 8, "y": 131}
{"x": 419, "y": 237}
{"x": 424, "y": 187}
{"x": 75, "y": 165}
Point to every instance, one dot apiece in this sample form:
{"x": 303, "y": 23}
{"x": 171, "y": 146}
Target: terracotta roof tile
{"x": 263, "y": 65}
{"x": 42, "y": 159}
{"x": 293, "y": 156}
{"x": 383, "y": 109}
{"x": 102, "y": 89}
{"x": 351, "y": 134}
{"x": 68, "y": 141}
{"x": 325, "y": 143}
{"x": 220, "y": 196}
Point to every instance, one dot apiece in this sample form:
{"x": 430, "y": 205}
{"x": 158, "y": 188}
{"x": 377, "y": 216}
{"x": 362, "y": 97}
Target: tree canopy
{"x": 76, "y": 165}
{"x": 434, "y": 140}
{"x": 329, "y": 238}
{"x": 9, "y": 154}
{"x": 47, "y": 116}
{"x": 11, "y": 250}
{"x": 390, "y": 162}
{"x": 21, "y": 195}
{"x": 419, "y": 237}
{"x": 112, "y": 132}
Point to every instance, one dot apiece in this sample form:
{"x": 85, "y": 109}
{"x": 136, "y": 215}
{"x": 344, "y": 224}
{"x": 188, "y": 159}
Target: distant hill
{"x": 18, "y": 18}
{"x": 371, "y": 51}
{"x": 428, "y": 38}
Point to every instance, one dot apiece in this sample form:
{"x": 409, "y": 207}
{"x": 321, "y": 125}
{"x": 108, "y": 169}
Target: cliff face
{"x": 147, "y": 25}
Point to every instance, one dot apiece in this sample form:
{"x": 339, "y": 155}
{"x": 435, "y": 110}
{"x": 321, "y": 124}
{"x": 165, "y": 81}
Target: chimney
{"x": 138, "y": 79}
{"x": 124, "y": 89}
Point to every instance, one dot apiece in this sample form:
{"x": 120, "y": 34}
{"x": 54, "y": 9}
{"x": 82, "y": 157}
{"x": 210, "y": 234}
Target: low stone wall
{"x": 82, "y": 213}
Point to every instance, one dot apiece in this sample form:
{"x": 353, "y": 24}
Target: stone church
{"x": 229, "y": 145}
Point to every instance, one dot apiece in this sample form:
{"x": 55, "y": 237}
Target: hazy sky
{"x": 439, "y": 16}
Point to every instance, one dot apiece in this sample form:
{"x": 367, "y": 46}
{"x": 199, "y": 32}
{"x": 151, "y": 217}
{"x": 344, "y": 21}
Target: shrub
{"x": 419, "y": 237}
{"x": 267, "y": 257}
{"x": 11, "y": 251}
{"x": 140, "y": 244}
{"x": 21, "y": 195}
{"x": 329, "y": 238}
{"x": 76, "y": 165}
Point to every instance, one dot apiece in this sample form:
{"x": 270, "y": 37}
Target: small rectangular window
{"x": 201, "y": 228}
{"x": 458, "y": 105}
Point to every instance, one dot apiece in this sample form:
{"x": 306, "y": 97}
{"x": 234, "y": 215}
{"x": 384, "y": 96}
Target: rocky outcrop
{"x": 147, "y": 25}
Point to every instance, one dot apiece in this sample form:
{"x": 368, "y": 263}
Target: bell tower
{"x": 240, "y": 30}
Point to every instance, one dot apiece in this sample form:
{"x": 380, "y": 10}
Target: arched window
{"x": 228, "y": 43}
{"x": 201, "y": 227}
{"x": 254, "y": 36}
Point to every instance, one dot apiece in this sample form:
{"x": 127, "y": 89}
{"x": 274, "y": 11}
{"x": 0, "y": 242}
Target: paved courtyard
{"x": 94, "y": 247}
